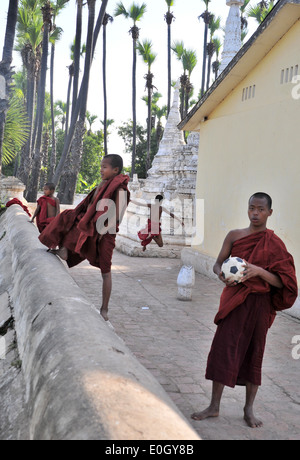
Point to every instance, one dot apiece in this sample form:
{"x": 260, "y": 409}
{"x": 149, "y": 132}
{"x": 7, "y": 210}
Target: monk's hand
{"x": 227, "y": 282}
{"x": 250, "y": 271}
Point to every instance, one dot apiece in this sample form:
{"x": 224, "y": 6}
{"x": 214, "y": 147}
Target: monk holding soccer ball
{"x": 248, "y": 308}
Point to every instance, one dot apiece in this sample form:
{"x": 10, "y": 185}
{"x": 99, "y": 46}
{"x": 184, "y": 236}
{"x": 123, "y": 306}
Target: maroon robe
{"x": 18, "y": 202}
{"x": 248, "y": 309}
{"x": 75, "y": 229}
{"x": 42, "y": 219}
{"x": 147, "y": 234}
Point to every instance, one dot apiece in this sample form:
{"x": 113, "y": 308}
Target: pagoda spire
{"x": 232, "y": 42}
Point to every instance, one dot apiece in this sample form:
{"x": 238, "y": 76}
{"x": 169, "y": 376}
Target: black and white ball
{"x": 232, "y": 269}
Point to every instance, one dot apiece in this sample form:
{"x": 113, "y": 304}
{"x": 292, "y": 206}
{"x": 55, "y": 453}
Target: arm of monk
{"x": 253, "y": 270}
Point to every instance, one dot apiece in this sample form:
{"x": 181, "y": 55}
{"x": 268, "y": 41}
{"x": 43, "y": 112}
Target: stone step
{"x": 134, "y": 249}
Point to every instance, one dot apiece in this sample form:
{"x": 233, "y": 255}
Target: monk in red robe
{"x": 153, "y": 229}
{"x": 89, "y": 231}
{"x": 248, "y": 309}
{"x": 47, "y": 209}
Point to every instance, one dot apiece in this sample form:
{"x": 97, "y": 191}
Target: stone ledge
{"x": 82, "y": 382}
{"x": 134, "y": 249}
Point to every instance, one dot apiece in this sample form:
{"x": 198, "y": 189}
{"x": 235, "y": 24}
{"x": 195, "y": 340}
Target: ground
{"x": 171, "y": 338}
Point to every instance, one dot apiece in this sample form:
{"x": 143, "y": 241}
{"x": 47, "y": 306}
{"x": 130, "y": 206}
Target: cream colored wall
{"x": 254, "y": 145}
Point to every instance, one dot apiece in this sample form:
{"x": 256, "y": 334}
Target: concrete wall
{"x": 81, "y": 380}
{"x": 252, "y": 145}
{"x": 248, "y": 145}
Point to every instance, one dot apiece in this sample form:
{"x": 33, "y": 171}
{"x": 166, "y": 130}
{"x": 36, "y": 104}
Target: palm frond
{"x": 16, "y": 129}
{"x": 121, "y": 10}
{"x": 136, "y": 12}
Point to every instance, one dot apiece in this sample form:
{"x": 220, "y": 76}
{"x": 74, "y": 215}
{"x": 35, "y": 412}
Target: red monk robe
{"x": 248, "y": 309}
{"x": 75, "y": 229}
{"x": 149, "y": 232}
{"x": 18, "y": 202}
{"x": 42, "y": 219}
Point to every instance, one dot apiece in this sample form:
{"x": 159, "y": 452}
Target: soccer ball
{"x": 232, "y": 269}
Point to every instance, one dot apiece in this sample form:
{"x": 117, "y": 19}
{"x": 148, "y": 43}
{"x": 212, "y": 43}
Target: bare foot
{"x": 104, "y": 314}
{"x": 144, "y": 248}
{"x": 250, "y": 419}
{"x": 209, "y": 412}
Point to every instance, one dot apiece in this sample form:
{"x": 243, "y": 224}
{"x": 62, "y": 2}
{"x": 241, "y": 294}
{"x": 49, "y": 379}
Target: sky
{"x": 186, "y": 27}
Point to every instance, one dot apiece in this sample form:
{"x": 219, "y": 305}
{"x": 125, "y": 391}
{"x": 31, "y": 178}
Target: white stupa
{"x": 173, "y": 174}
{"x": 232, "y": 41}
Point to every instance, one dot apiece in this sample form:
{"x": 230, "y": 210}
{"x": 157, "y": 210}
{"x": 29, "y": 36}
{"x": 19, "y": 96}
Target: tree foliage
{"x": 16, "y": 129}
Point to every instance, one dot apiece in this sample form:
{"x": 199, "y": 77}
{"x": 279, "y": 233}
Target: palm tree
{"x": 109, "y": 122}
{"x": 206, "y": 18}
{"x": 32, "y": 191}
{"x": 61, "y": 108}
{"x": 216, "y": 63}
{"x": 90, "y": 119}
{"x": 188, "y": 59}
{"x": 214, "y": 25}
{"x": 244, "y": 22}
{"x": 178, "y": 49}
{"x": 169, "y": 19}
{"x": 5, "y": 67}
{"x": 66, "y": 193}
{"x": 106, "y": 20}
{"x": 135, "y": 12}
{"x": 29, "y": 34}
{"x": 189, "y": 62}
{"x": 76, "y": 54}
{"x": 73, "y": 78}
{"x": 83, "y": 93}
{"x": 145, "y": 50}
{"x": 260, "y": 11}
{"x": 16, "y": 128}
{"x": 55, "y": 36}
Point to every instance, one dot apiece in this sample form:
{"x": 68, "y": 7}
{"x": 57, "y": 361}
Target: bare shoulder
{"x": 236, "y": 234}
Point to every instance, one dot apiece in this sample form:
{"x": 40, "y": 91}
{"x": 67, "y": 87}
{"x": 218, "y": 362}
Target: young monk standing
{"x": 89, "y": 230}
{"x": 248, "y": 309}
{"x": 47, "y": 208}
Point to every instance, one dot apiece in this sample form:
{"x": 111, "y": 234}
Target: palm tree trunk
{"x": 133, "y": 108}
{"x": 71, "y": 78}
{"x": 78, "y": 146}
{"x": 53, "y": 147}
{"x": 82, "y": 98}
{"x": 149, "y": 123}
{"x": 36, "y": 167}
{"x": 104, "y": 89}
{"x": 208, "y": 71}
{"x": 204, "y": 59}
{"x": 77, "y": 54}
{"x": 5, "y": 68}
{"x": 69, "y": 178}
{"x": 169, "y": 68}
{"x": 25, "y": 160}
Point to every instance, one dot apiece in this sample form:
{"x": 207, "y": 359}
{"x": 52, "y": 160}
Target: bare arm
{"x": 254, "y": 270}
{"x": 250, "y": 270}
{"x": 223, "y": 255}
{"x": 138, "y": 203}
{"x": 172, "y": 215}
{"x": 57, "y": 206}
{"x": 36, "y": 212}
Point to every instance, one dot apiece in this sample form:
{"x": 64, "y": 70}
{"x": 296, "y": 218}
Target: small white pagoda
{"x": 173, "y": 175}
